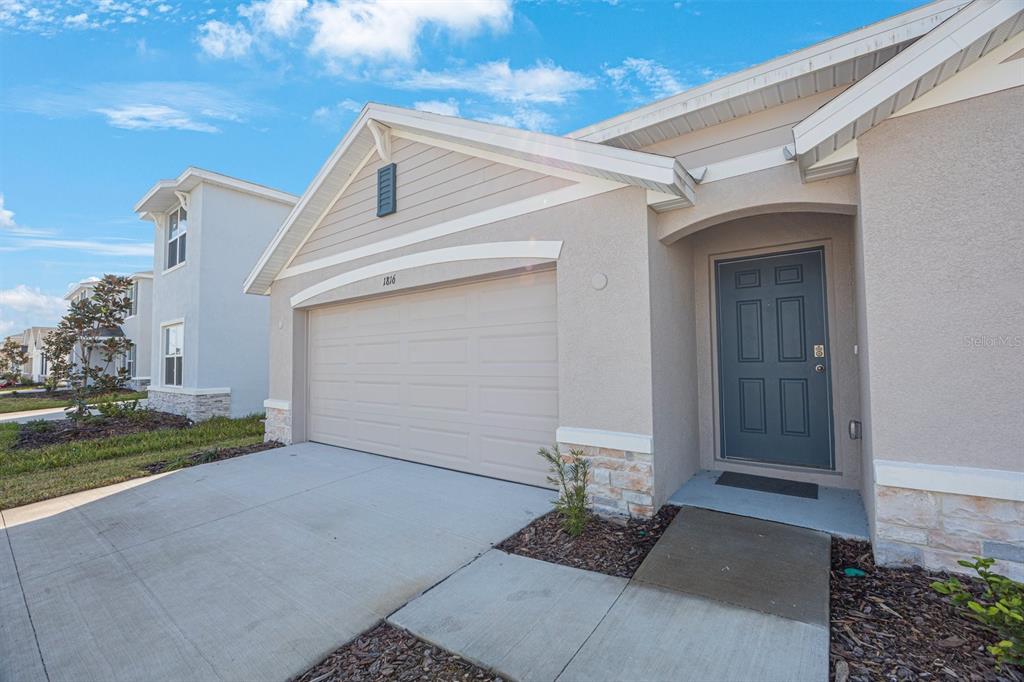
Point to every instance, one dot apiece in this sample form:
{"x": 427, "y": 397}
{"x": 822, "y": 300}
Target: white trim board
{"x": 994, "y": 483}
{"x": 613, "y": 440}
{"x": 547, "y": 250}
{"x": 190, "y": 391}
{"x": 492, "y": 215}
{"x": 276, "y": 404}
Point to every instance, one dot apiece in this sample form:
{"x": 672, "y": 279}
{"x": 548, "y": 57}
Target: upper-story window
{"x": 177, "y": 226}
{"x": 133, "y": 296}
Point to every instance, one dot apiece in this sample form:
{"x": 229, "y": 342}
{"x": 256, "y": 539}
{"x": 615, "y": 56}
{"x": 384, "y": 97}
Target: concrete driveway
{"x": 247, "y": 569}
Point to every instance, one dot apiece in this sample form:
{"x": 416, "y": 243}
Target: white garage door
{"x": 464, "y": 377}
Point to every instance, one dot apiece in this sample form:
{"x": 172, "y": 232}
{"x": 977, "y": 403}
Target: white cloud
{"x": 544, "y": 82}
{"x": 334, "y": 115}
{"x": 78, "y": 21}
{"x": 48, "y": 17}
{"x": 154, "y": 117}
{"x": 164, "y": 8}
{"x": 8, "y": 226}
{"x": 153, "y": 105}
{"x": 447, "y": 108}
{"x": 645, "y": 78}
{"x": 279, "y": 17}
{"x": 376, "y": 29}
{"x": 6, "y": 216}
{"x": 23, "y": 307}
{"x": 95, "y": 247}
{"x": 224, "y": 41}
{"x": 521, "y": 117}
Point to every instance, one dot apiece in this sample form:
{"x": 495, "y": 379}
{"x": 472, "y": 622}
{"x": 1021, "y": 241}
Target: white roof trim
{"x": 951, "y": 47}
{"x": 886, "y": 34}
{"x": 512, "y": 146}
{"x": 162, "y": 196}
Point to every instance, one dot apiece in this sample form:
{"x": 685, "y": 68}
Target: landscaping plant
{"x": 571, "y": 477}
{"x": 12, "y": 357}
{"x": 1000, "y": 608}
{"x": 88, "y": 344}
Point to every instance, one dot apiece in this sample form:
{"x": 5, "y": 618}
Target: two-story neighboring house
{"x": 37, "y": 368}
{"x": 209, "y": 350}
{"x": 80, "y": 292}
{"x": 138, "y": 327}
{"x": 19, "y": 339}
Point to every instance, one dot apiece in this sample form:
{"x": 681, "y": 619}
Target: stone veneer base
{"x": 195, "y": 407}
{"x": 621, "y": 482}
{"x": 935, "y": 530}
{"x": 278, "y": 425}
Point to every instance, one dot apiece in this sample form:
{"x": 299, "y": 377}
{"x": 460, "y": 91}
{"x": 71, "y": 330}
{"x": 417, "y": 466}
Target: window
{"x": 129, "y": 361}
{"x": 177, "y": 226}
{"x": 43, "y": 369}
{"x": 173, "y": 342}
{"x": 133, "y": 296}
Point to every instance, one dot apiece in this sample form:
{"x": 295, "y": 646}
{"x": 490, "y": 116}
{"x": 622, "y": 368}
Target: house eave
{"x": 162, "y": 197}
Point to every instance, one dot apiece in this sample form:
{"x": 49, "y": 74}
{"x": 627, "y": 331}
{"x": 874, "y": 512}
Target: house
{"x": 138, "y": 327}
{"x": 808, "y": 270}
{"x": 19, "y": 339}
{"x": 80, "y": 292}
{"x": 37, "y": 368}
{"x": 209, "y": 350}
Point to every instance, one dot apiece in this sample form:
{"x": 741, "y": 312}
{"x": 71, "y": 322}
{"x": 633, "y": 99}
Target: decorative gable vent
{"x": 386, "y": 204}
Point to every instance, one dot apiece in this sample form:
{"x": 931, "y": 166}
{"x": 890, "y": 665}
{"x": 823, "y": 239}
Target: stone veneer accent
{"x": 278, "y": 425}
{"x": 935, "y": 529}
{"x": 195, "y": 407}
{"x": 621, "y": 482}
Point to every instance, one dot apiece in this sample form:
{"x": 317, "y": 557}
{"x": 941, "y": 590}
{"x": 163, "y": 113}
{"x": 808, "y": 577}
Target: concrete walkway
{"x": 252, "y": 568}
{"x": 719, "y": 598}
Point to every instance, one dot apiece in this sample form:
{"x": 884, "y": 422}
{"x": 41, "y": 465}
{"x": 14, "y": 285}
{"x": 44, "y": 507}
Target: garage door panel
{"x": 464, "y": 377}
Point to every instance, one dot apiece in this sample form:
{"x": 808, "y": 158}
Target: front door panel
{"x": 774, "y": 373}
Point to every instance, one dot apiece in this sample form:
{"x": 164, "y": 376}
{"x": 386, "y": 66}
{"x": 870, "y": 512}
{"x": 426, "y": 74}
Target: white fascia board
{"x": 584, "y": 157}
{"x": 953, "y": 35}
{"x": 274, "y": 404}
{"x": 994, "y": 483}
{"x": 894, "y": 30}
{"x": 612, "y": 440}
{"x": 542, "y": 250}
{"x": 162, "y": 193}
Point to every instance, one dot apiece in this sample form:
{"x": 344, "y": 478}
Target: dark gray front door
{"x": 775, "y": 398}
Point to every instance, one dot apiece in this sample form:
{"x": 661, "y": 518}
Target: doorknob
{"x": 819, "y": 368}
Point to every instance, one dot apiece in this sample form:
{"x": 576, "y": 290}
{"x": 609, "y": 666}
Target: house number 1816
{"x": 389, "y": 280}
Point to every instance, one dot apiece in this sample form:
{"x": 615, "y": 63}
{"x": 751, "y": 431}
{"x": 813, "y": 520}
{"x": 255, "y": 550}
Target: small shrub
{"x": 1000, "y": 608}
{"x": 38, "y": 426}
{"x": 571, "y": 478}
{"x": 113, "y": 409}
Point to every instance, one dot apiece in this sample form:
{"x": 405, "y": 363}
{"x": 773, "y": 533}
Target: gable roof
{"x": 161, "y": 196}
{"x": 560, "y": 156}
{"x": 958, "y": 42}
{"x": 838, "y": 61}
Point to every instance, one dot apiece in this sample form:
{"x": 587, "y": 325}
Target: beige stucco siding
{"x": 434, "y": 185}
{"x": 604, "y": 335}
{"x": 943, "y": 280}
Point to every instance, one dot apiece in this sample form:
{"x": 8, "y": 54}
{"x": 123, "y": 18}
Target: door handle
{"x": 819, "y": 368}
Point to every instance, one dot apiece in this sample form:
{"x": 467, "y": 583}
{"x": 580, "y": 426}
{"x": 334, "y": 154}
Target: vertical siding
{"x": 434, "y": 185}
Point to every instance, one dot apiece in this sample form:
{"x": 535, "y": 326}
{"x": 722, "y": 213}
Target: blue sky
{"x": 99, "y": 99}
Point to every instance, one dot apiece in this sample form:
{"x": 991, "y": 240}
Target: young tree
{"x": 12, "y": 358}
{"x": 86, "y": 347}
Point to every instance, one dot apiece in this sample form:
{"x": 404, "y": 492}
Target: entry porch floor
{"x": 838, "y": 511}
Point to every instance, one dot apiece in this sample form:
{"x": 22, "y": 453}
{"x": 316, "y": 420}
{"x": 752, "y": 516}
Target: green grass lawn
{"x": 40, "y": 473}
{"x": 42, "y": 401}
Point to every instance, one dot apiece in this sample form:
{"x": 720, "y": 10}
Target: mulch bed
{"x": 606, "y": 546}
{"x": 387, "y": 653}
{"x": 40, "y": 433}
{"x": 891, "y": 625}
{"x": 207, "y": 456}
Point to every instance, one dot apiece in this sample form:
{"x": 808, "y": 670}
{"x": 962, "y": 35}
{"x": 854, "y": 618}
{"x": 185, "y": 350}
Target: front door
{"x": 775, "y": 398}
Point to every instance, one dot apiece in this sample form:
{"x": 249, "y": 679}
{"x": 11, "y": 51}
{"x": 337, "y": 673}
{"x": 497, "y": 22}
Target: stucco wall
{"x": 942, "y": 247}
{"x": 767, "y": 234}
{"x": 139, "y": 328}
{"x": 234, "y": 347}
{"x": 604, "y": 334}
{"x": 674, "y": 364}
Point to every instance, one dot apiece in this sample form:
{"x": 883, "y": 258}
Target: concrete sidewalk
{"x": 719, "y": 598}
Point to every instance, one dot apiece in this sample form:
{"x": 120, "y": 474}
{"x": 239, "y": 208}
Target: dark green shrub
{"x": 115, "y": 409}
{"x": 571, "y": 478}
{"x": 1000, "y": 608}
{"x": 38, "y": 426}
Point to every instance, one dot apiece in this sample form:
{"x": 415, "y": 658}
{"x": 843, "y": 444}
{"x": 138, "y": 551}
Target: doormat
{"x": 768, "y": 485}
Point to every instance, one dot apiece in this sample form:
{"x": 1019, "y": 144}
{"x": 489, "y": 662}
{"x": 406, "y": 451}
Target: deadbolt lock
{"x": 819, "y": 350}
{"x": 819, "y": 368}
